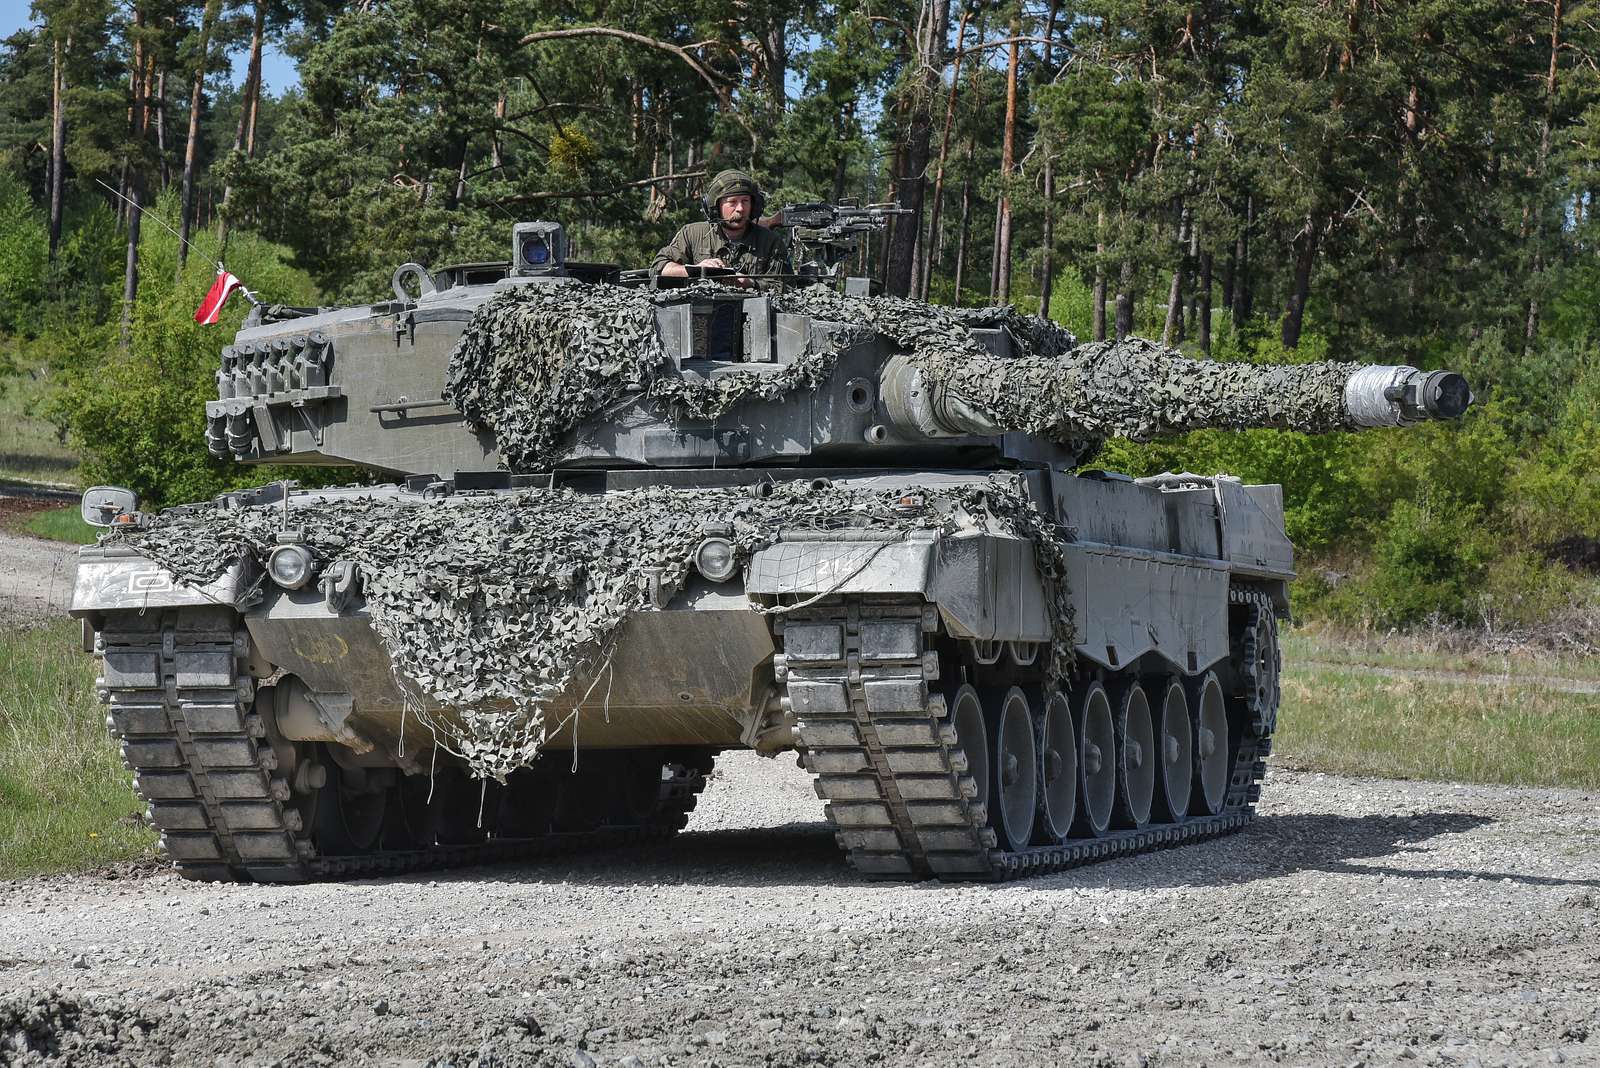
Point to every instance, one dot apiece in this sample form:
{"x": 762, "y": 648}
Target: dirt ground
{"x": 35, "y": 575}
{"x": 1357, "y": 922}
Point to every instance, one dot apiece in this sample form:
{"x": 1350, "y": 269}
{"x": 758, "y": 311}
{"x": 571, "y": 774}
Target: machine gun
{"x": 824, "y": 234}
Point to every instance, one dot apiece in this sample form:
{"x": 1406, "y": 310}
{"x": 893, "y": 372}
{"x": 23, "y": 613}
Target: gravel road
{"x": 35, "y": 575}
{"x": 1357, "y": 922}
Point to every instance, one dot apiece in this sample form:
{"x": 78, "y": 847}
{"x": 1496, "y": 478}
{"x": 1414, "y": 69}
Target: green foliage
{"x": 138, "y": 417}
{"x": 1557, "y": 490}
{"x": 24, "y": 259}
{"x": 1425, "y": 567}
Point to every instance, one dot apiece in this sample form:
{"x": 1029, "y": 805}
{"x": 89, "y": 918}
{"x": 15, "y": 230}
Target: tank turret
{"x": 635, "y": 527}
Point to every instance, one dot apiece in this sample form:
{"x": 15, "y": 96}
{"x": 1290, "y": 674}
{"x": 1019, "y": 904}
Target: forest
{"x": 1407, "y": 182}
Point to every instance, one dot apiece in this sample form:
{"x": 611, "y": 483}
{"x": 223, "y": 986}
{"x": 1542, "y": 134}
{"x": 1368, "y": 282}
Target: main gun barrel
{"x": 1137, "y": 390}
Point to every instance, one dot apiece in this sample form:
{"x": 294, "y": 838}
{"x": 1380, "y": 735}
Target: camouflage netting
{"x": 537, "y": 361}
{"x": 1068, "y": 391}
{"x": 494, "y": 605}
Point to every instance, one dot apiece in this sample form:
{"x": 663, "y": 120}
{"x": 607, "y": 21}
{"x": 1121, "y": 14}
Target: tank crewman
{"x": 730, "y": 237}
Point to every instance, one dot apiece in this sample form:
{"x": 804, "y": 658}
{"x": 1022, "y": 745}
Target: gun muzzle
{"x": 1399, "y": 396}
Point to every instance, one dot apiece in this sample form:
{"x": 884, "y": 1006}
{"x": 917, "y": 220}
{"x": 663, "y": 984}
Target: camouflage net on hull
{"x": 536, "y": 362}
{"x": 491, "y": 606}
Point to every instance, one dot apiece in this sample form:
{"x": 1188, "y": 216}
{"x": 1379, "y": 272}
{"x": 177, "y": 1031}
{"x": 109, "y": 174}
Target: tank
{"x": 614, "y": 530}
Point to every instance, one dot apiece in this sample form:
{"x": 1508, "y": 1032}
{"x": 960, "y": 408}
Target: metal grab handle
{"x": 402, "y": 404}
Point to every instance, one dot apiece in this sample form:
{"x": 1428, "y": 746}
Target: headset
{"x": 713, "y": 204}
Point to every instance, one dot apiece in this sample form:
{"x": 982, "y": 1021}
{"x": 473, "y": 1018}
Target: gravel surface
{"x": 35, "y": 575}
{"x": 1358, "y": 922}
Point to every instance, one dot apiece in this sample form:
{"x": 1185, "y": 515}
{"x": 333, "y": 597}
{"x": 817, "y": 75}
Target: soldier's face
{"x": 735, "y": 210}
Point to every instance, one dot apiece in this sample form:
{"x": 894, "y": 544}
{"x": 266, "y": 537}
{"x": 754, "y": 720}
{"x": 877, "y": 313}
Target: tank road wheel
{"x": 1096, "y": 761}
{"x": 966, "y": 716}
{"x": 1136, "y": 758}
{"x": 350, "y": 809}
{"x": 1014, "y": 775}
{"x": 1175, "y": 774}
{"x": 1208, "y": 712}
{"x": 1058, "y": 771}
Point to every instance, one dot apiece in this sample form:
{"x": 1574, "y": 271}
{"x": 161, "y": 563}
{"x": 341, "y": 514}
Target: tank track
{"x": 860, "y": 681}
{"x": 179, "y": 700}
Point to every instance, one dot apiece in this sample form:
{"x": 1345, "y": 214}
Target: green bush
{"x": 138, "y": 417}
{"x": 1523, "y": 589}
{"x": 24, "y": 259}
{"x": 86, "y": 278}
{"x": 1556, "y": 490}
{"x": 1427, "y": 565}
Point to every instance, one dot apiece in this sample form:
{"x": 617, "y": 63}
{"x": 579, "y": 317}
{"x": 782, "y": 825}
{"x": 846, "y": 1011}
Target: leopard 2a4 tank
{"x": 630, "y": 528}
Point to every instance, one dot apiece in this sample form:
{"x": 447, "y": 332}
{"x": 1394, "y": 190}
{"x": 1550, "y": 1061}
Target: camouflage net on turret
{"x": 496, "y": 607}
{"x": 536, "y": 362}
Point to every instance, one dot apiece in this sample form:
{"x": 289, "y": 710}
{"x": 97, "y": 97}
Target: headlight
{"x": 715, "y": 559}
{"x": 290, "y": 566}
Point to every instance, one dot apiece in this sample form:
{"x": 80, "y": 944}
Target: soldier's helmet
{"x": 732, "y": 183}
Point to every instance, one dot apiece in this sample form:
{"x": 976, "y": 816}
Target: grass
{"x": 1412, "y": 653}
{"x": 66, "y": 802}
{"x": 58, "y": 524}
{"x": 1518, "y": 733}
{"x": 30, "y": 449}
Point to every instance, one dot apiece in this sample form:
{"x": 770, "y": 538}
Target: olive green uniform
{"x": 759, "y": 251}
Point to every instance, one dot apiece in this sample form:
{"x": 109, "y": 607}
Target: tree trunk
{"x": 1125, "y": 300}
{"x": 1294, "y": 312}
{"x": 161, "y": 130}
{"x": 911, "y": 179}
{"x": 136, "y": 93}
{"x": 499, "y": 121}
{"x": 1242, "y": 303}
{"x": 1204, "y": 316}
{"x": 966, "y": 228}
{"x": 1099, "y": 301}
{"x": 775, "y": 42}
{"x": 994, "y": 253}
{"x": 1531, "y": 325}
{"x": 1172, "y": 332}
{"x": 1229, "y": 267}
{"x": 248, "y": 96}
{"x": 932, "y": 245}
{"x": 135, "y": 181}
{"x": 255, "y": 115}
{"x": 191, "y": 148}
{"x": 1008, "y": 149}
{"x": 1047, "y": 239}
{"x": 58, "y": 142}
